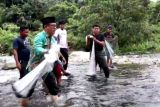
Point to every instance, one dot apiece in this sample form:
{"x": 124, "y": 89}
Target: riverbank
{"x": 81, "y": 56}
{"x": 77, "y": 56}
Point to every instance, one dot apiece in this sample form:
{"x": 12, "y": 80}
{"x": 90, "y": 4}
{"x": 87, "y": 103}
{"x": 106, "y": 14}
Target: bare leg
{"x": 52, "y": 98}
{"x": 110, "y": 62}
{"x": 24, "y": 102}
{"x": 59, "y": 81}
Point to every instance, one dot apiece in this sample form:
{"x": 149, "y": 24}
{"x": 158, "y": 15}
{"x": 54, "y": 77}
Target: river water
{"x": 136, "y": 83}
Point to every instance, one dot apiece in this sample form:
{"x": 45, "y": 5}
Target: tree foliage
{"x": 23, "y": 12}
{"x": 63, "y": 10}
{"x": 129, "y": 19}
{"x": 155, "y": 16}
{"x": 133, "y": 21}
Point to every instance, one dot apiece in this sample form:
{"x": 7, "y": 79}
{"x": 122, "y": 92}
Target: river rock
{"x": 79, "y": 56}
{"x": 7, "y": 62}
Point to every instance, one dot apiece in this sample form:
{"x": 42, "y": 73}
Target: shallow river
{"x": 131, "y": 85}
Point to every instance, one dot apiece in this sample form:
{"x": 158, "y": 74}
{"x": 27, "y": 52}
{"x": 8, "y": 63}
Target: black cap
{"x": 62, "y": 22}
{"x": 48, "y": 20}
{"x": 109, "y": 26}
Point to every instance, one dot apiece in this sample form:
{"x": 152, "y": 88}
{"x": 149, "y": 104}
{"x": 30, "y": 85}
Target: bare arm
{"x": 18, "y": 65}
{"x": 60, "y": 54}
{"x": 88, "y": 40}
{"x": 102, "y": 43}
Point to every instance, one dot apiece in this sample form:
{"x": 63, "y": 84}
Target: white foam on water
{"x": 8, "y": 75}
{"x": 64, "y": 77}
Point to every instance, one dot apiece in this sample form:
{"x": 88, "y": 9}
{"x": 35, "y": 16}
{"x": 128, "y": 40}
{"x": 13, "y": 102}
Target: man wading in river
{"x": 21, "y": 52}
{"x": 99, "y": 45}
{"x": 42, "y": 44}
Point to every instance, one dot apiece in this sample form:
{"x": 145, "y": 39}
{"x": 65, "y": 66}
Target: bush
{"x": 10, "y": 27}
{"x": 6, "y": 38}
{"x": 76, "y": 42}
{"x": 36, "y": 25}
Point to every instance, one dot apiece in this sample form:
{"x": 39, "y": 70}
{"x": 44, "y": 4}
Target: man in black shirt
{"x": 99, "y": 51}
{"x": 21, "y": 52}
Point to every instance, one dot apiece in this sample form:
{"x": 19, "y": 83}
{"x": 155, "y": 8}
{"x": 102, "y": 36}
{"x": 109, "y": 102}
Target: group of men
{"x": 100, "y": 47}
{"x": 42, "y": 43}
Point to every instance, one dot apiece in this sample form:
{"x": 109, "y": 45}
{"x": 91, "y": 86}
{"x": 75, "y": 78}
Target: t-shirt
{"x": 23, "y": 48}
{"x": 107, "y": 35}
{"x": 98, "y": 47}
{"x": 61, "y": 36}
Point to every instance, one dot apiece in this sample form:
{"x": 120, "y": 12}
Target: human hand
{"x": 45, "y": 52}
{"x": 64, "y": 60}
{"x": 90, "y": 36}
{"x": 18, "y": 65}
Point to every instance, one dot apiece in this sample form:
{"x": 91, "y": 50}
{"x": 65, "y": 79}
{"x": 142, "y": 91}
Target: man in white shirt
{"x": 61, "y": 36}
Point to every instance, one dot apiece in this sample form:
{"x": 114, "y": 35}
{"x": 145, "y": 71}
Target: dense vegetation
{"x": 135, "y": 22}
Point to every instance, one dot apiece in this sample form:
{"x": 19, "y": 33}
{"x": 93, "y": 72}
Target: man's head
{"x": 62, "y": 24}
{"x": 49, "y": 25}
{"x": 96, "y": 29}
{"x": 24, "y": 31}
{"x": 109, "y": 28}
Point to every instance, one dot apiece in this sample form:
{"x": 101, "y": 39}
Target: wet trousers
{"x": 64, "y": 52}
{"x": 49, "y": 80}
{"x": 101, "y": 61}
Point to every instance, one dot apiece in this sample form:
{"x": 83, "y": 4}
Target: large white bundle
{"x": 92, "y": 64}
{"x": 25, "y": 84}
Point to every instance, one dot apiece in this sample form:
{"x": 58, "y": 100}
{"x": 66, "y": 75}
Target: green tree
{"x": 129, "y": 18}
{"x": 12, "y": 14}
{"x": 155, "y": 17}
{"x": 63, "y": 10}
{"x": 24, "y": 12}
{"x": 2, "y": 10}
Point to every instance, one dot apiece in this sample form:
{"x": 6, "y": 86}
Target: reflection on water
{"x": 132, "y": 85}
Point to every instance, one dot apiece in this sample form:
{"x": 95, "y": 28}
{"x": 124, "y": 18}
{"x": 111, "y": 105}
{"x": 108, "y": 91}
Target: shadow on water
{"x": 92, "y": 78}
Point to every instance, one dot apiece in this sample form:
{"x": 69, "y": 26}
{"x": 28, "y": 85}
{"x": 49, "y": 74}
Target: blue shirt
{"x": 23, "y": 48}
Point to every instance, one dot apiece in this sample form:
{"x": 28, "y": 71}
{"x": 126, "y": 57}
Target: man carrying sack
{"x": 99, "y": 45}
{"x": 42, "y": 43}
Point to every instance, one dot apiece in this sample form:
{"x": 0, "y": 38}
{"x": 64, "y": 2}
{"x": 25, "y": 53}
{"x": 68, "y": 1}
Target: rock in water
{"x": 10, "y": 64}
